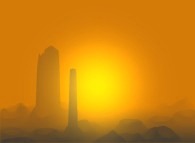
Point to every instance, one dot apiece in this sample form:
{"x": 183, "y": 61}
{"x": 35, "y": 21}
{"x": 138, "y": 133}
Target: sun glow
{"x": 100, "y": 86}
{"x": 104, "y": 80}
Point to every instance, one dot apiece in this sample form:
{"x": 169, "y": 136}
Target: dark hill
{"x": 161, "y": 133}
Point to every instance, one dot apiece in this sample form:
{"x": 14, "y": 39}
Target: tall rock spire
{"x": 48, "y": 87}
{"x": 72, "y": 131}
{"x": 48, "y": 79}
{"x": 73, "y": 115}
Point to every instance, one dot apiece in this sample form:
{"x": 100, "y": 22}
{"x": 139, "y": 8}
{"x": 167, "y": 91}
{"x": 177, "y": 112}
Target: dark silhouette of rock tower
{"x": 73, "y": 116}
{"x": 48, "y": 83}
{"x": 72, "y": 131}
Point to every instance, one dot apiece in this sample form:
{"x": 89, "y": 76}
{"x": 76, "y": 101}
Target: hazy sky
{"x": 140, "y": 53}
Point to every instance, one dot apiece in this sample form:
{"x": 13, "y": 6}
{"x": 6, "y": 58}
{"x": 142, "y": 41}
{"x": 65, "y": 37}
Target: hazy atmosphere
{"x": 133, "y": 59}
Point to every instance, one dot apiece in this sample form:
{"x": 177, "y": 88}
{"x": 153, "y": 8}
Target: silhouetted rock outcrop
{"x": 182, "y": 122}
{"x": 15, "y": 116}
{"x": 130, "y": 126}
{"x": 48, "y": 112}
{"x": 111, "y": 137}
{"x": 48, "y": 82}
{"x": 161, "y": 133}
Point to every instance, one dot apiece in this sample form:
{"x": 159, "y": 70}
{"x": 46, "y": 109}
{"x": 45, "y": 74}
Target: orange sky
{"x": 148, "y": 44}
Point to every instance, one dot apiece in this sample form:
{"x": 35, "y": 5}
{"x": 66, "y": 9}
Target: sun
{"x": 98, "y": 86}
{"x": 104, "y": 81}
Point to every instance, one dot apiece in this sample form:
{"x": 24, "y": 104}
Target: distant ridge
{"x": 112, "y": 136}
{"x": 130, "y": 126}
{"x": 161, "y": 133}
